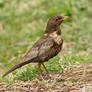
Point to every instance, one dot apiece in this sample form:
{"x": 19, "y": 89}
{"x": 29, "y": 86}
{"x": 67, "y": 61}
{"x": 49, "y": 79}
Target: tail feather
{"x": 15, "y": 67}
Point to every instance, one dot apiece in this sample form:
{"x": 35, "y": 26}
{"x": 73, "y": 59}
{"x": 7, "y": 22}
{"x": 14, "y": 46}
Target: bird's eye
{"x": 56, "y": 19}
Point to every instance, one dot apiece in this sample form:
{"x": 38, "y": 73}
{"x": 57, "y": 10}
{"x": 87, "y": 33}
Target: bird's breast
{"x": 56, "y": 37}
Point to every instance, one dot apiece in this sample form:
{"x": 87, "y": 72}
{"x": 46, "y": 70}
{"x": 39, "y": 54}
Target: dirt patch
{"x": 76, "y": 78}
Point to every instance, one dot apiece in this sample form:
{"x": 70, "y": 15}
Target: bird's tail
{"x": 16, "y": 67}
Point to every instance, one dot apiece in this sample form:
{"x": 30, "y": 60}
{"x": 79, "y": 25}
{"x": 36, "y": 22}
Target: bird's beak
{"x": 65, "y": 17}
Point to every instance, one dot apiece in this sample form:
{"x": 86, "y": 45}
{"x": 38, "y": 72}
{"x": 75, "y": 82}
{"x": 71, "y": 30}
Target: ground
{"x": 75, "y": 78}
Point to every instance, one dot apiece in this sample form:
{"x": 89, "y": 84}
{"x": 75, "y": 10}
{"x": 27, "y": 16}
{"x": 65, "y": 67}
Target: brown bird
{"x": 48, "y": 46}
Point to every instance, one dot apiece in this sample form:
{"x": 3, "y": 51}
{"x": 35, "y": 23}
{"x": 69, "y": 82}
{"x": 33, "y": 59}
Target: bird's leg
{"x": 39, "y": 67}
{"x": 45, "y": 68}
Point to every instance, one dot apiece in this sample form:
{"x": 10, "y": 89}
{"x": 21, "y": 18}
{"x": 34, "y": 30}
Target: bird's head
{"x": 55, "y": 21}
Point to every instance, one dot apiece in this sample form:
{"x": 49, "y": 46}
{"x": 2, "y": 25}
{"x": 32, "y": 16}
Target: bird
{"x": 47, "y": 47}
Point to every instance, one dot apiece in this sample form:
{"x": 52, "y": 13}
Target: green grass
{"x": 22, "y": 22}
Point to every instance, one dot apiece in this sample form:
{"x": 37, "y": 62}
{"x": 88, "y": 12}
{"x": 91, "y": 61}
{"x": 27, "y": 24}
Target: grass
{"x": 22, "y": 22}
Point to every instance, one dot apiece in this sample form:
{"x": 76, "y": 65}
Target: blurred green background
{"x": 23, "y": 22}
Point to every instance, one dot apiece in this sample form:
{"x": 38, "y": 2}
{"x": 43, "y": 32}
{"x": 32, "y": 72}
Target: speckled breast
{"x": 58, "y": 41}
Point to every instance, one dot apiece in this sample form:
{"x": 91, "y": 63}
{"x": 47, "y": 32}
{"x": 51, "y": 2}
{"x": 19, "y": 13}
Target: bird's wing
{"x": 42, "y": 50}
{"x": 32, "y": 54}
{"x": 47, "y": 50}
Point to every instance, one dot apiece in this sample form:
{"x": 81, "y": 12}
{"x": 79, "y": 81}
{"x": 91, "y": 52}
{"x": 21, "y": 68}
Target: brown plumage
{"x": 48, "y": 46}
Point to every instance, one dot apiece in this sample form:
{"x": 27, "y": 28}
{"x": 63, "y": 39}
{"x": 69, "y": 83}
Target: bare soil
{"x": 76, "y": 78}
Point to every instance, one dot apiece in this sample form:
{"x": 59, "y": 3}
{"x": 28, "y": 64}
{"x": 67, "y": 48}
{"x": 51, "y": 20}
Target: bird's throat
{"x": 56, "y": 37}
